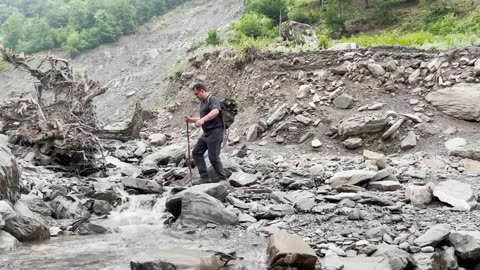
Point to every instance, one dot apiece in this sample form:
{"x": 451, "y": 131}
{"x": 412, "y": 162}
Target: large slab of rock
{"x": 460, "y": 101}
{"x": 144, "y": 186}
{"x": 26, "y": 225}
{"x": 466, "y": 244}
{"x": 121, "y": 168}
{"x": 180, "y": 258}
{"x": 352, "y": 177}
{"x": 9, "y": 176}
{"x": 457, "y": 194}
{"x": 8, "y": 242}
{"x": 433, "y": 236}
{"x": 397, "y": 258}
{"x": 172, "y": 153}
{"x": 6, "y": 212}
{"x": 241, "y": 179}
{"x": 358, "y": 125}
{"x": 37, "y": 205}
{"x": 278, "y": 115}
{"x": 419, "y": 196}
{"x": 343, "y": 101}
{"x": 276, "y": 211}
{"x": 471, "y": 166}
{"x": 355, "y": 263}
{"x": 217, "y": 190}
{"x": 199, "y": 208}
{"x": 376, "y": 69}
{"x": 385, "y": 185}
{"x": 285, "y": 249}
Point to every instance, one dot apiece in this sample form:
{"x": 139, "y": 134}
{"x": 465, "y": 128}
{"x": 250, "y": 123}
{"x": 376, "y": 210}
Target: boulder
{"x": 358, "y": 125}
{"x": 376, "y": 70}
{"x": 466, "y": 244}
{"x": 116, "y": 166}
{"x": 344, "y": 46}
{"x": 6, "y": 213}
{"x": 457, "y": 194}
{"x": 199, "y": 208}
{"x": 471, "y": 166}
{"x": 276, "y": 211}
{"x": 303, "y": 91}
{"x": 343, "y": 101}
{"x": 419, "y": 196}
{"x": 143, "y": 186}
{"x": 433, "y": 236}
{"x": 101, "y": 207}
{"x": 333, "y": 261}
{"x": 455, "y": 143}
{"x": 172, "y": 153}
{"x": 9, "y": 176}
{"x": 8, "y": 242}
{"x": 252, "y": 133}
{"x": 37, "y": 205}
{"x": 241, "y": 179}
{"x": 397, "y": 258}
{"x": 285, "y": 249}
{"x": 410, "y": 141}
{"x": 299, "y": 33}
{"x": 157, "y": 139}
{"x": 460, "y": 101}
{"x": 26, "y": 225}
{"x": 378, "y": 158}
{"x": 68, "y": 207}
{"x": 352, "y": 177}
{"x": 353, "y": 143}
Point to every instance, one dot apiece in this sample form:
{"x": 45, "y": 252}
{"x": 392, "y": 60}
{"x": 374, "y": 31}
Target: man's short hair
{"x": 199, "y": 86}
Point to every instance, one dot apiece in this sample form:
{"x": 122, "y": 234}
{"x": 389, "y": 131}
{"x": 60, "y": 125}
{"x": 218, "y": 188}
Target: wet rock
{"x": 101, "y": 207}
{"x": 8, "y": 242}
{"x": 353, "y": 143}
{"x": 109, "y": 195}
{"x": 419, "y": 196}
{"x": 286, "y": 249}
{"x": 90, "y": 228}
{"x": 68, "y": 207}
{"x": 457, "y": 194}
{"x": 26, "y": 225}
{"x": 385, "y": 185}
{"x": 6, "y": 213}
{"x": 433, "y": 236}
{"x": 352, "y": 177}
{"x": 173, "y": 153}
{"x": 410, "y": 141}
{"x": 141, "y": 148}
{"x": 218, "y": 191}
{"x": 343, "y": 101}
{"x": 180, "y": 258}
{"x": 358, "y": 125}
{"x": 459, "y": 101}
{"x": 122, "y": 168}
{"x": 241, "y": 179}
{"x": 237, "y": 203}
{"x": 37, "y": 205}
{"x": 199, "y": 208}
{"x": 9, "y": 176}
{"x": 466, "y": 244}
{"x": 143, "y": 186}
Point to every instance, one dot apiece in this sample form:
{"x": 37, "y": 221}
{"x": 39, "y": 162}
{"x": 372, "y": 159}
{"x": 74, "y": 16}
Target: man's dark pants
{"x": 211, "y": 141}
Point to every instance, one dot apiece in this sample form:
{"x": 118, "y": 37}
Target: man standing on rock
{"x": 213, "y": 130}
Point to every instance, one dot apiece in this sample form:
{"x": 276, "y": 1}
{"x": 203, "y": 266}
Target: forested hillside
{"x": 74, "y": 25}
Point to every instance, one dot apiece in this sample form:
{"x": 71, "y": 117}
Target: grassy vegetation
{"x": 3, "y": 65}
{"x": 423, "y": 23}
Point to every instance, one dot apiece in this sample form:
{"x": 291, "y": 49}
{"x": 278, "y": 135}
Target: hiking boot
{"x": 201, "y": 181}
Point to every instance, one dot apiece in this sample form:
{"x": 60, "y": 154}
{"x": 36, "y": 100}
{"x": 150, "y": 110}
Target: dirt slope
{"x": 140, "y": 62}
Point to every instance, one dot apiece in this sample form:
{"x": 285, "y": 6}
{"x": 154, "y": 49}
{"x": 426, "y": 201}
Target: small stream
{"x": 139, "y": 236}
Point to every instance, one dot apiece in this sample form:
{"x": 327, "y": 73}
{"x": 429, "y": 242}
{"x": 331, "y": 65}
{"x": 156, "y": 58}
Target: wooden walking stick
{"x": 189, "y": 156}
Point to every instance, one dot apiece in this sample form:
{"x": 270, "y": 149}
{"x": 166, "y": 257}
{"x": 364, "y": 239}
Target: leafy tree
{"x": 273, "y": 9}
{"x": 212, "y": 37}
{"x": 336, "y": 13}
{"x": 254, "y": 25}
{"x": 13, "y": 29}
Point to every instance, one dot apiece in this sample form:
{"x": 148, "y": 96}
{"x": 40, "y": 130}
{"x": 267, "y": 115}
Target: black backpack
{"x": 229, "y": 109}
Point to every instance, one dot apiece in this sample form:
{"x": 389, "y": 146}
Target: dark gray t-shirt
{"x": 205, "y": 108}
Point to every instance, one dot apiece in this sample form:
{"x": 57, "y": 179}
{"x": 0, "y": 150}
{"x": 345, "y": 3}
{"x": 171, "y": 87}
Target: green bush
{"x": 255, "y": 26}
{"x": 383, "y": 11}
{"x": 323, "y": 41}
{"x": 213, "y": 38}
{"x": 335, "y": 15}
{"x": 304, "y": 15}
{"x": 3, "y": 64}
{"x": 270, "y": 8}
{"x": 443, "y": 26}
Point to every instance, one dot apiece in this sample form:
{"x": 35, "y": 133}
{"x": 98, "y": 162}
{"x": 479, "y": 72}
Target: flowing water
{"x": 139, "y": 235}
